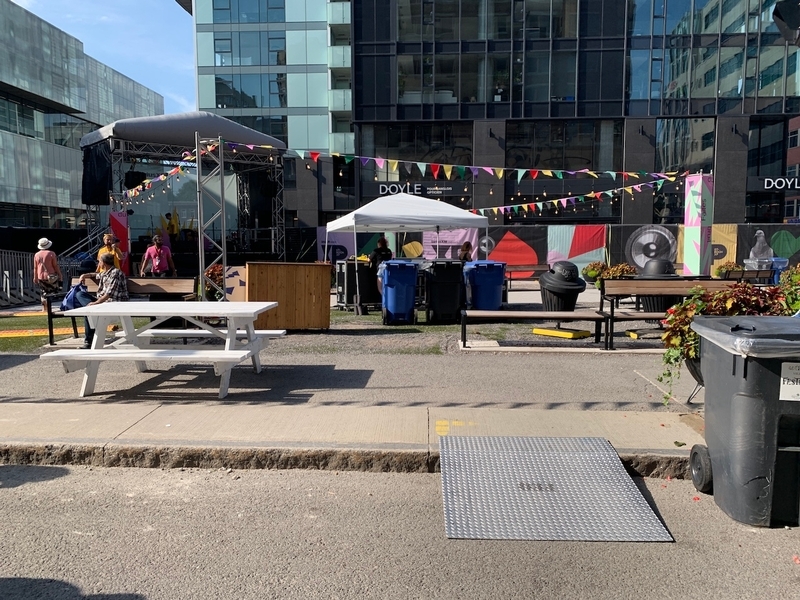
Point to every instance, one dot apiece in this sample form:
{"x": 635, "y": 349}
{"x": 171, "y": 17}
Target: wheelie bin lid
{"x": 491, "y": 264}
{"x": 562, "y": 277}
{"x": 752, "y": 335}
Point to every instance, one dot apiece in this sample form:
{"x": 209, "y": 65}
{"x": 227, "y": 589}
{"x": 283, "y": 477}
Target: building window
{"x": 791, "y": 170}
{"x": 793, "y": 135}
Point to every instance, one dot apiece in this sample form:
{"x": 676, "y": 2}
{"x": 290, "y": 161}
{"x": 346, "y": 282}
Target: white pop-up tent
{"x": 405, "y": 212}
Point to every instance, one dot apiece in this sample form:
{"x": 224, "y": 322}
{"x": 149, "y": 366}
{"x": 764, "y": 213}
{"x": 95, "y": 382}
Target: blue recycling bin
{"x": 484, "y": 280}
{"x": 779, "y": 265}
{"x": 399, "y": 279}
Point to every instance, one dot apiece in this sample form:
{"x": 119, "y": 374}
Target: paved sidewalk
{"x": 351, "y": 410}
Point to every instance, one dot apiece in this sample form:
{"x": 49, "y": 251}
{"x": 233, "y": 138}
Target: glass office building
{"x": 51, "y": 94}
{"x": 602, "y": 85}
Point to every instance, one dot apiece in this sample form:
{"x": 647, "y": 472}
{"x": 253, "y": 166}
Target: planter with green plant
{"x": 683, "y": 343}
{"x": 616, "y": 272}
{"x": 726, "y": 267}
{"x": 593, "y": 270}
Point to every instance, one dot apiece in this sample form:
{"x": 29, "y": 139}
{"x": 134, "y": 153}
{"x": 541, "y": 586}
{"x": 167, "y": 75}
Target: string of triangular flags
{"x": 573, "y": 200}
{"x": 449, "y": 171}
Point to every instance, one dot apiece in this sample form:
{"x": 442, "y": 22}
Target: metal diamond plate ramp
{"x": 542, "y": 488}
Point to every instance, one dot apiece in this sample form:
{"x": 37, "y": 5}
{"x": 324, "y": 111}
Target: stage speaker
{"x": 97, "y": 177}
{"x": 133, "y": 179}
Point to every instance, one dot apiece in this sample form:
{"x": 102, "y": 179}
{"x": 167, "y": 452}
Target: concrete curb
{"x": 638, "y": 463}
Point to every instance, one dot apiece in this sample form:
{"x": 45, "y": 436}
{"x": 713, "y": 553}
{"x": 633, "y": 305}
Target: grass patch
{"x": 430, "y": 350}
{"x": 497, "y": 334}
{"x": 36, "y": 321}
{"x": 24, "y": 345}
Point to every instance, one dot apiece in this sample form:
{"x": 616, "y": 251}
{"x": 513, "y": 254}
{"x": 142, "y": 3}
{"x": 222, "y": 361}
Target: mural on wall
{"x": 767, "y": 241}
{"x": 517, "y": 246}
{"x": 447, "y": 244}
{"x": 341, "y": 244}
{"x": 636, "y": 245}
{"x": 723, "y": 244}
{"x": 579, "y": 244}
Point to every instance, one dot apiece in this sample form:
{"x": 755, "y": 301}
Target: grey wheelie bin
{"x": 751, "y": 371}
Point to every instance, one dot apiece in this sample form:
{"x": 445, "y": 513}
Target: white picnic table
{"x": 242, "y": 341}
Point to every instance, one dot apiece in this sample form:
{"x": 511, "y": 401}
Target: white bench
{"x": 223, "y": 360}
{"x": 270, "y": 334}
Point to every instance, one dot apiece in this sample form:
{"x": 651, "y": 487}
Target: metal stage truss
{"x": 215, "y": 155}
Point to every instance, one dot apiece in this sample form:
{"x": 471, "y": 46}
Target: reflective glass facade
{"x": 623, "y": 85}
{"x": 52, "y": 94}
{"x": 265, "y": 64}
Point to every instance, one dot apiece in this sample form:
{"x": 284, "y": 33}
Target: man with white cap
{"x": 46, "y": 273}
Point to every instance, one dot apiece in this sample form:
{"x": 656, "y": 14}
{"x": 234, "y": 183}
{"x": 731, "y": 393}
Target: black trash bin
{"x": 444, "y": 281}
{"x": 347, "y": 288}
{"x": 751, "y": 371}
{"x": 658, "y": 268}
{"x": 561, "y": 286}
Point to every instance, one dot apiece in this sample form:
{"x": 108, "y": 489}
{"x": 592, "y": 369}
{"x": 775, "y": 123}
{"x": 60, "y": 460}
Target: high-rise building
{"x": 51, "y": 94}
{"x": 623, "y": 86}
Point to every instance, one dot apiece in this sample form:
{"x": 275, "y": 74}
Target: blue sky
{"x": 150, "y": 41}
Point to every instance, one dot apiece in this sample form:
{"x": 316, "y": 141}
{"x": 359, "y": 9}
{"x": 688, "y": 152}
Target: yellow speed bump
{"x": 567, "y": 334}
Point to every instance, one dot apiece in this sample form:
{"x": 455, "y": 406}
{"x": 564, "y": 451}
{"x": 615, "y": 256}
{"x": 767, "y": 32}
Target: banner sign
{"x": 698, "y": 217}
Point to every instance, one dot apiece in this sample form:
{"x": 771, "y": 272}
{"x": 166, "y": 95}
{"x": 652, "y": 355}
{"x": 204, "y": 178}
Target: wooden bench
{"x": 531, "y": 315}
{"x": 754, "y": 276}
{"x": 185, "y": 287}
{"x": 614, "y": 289}
{"x": 534, "y": 272}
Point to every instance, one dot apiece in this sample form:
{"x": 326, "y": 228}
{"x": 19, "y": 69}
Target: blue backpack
{"x": 70, "y": 301}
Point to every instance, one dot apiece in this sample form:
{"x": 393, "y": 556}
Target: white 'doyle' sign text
{"x": 790, "y": 381}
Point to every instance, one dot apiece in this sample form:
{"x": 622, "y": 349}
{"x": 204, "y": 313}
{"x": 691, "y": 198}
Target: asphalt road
{"x": 134, "y": 534}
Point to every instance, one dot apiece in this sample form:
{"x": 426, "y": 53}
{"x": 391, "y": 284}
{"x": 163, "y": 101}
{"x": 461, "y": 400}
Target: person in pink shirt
{"x": 159, "y": 259}
{"x": 46, "y": 274}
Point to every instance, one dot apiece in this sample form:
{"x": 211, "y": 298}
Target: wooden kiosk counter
{"x": 302, "y": 291}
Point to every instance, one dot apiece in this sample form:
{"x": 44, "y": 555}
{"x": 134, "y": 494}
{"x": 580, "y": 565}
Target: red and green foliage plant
{"x": 682, "y": 342}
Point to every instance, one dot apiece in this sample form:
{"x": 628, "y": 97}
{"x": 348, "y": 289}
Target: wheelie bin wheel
{"x": 700, "y": 463}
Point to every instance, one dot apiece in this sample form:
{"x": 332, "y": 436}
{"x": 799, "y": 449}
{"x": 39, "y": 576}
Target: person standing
{"x": 380, "y": 254}
{"x": 46, "y": 273}
{"x": 465, "y": 255}
{"x": 159, "y": 257}
{"x": 112, "y": 286}
{"x": 110, "y": 242}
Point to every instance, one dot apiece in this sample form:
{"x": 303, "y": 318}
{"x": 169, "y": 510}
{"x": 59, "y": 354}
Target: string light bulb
{"x": 491, "y": 191}
{"x": 340, "y": 173}
{"x": 308, "y": 167}
{"x": 376, "y": 177}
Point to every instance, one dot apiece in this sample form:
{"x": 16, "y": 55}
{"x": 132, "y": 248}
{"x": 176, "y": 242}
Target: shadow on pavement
{"x": 23, "y": 588}
{"x": 9, "y": 361}
{"x": 12, "y": 476}
{"x": 188, "y": 384}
